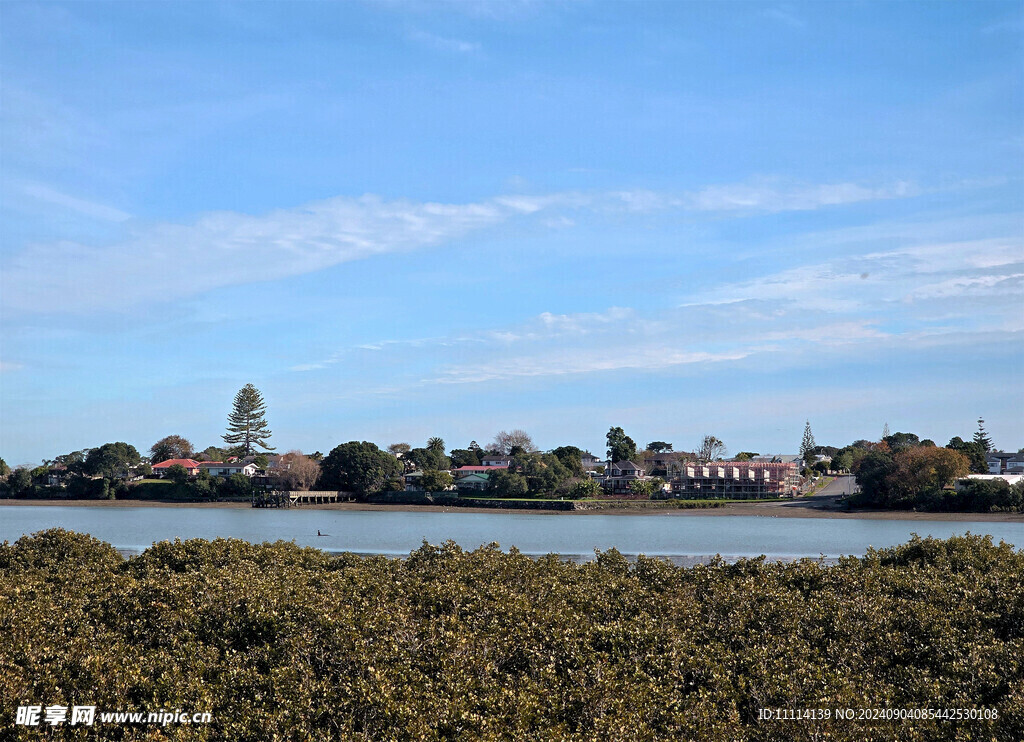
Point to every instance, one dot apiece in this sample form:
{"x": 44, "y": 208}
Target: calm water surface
{"x": 574, "y": 536}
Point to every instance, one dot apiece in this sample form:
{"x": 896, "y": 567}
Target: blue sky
{"x": 405, "y": 219}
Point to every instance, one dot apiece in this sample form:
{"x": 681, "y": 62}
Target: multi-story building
{"x": 735, "y": 480}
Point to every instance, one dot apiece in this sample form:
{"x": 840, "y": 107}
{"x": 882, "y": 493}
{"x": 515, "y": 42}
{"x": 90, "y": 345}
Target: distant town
{"x": 898, "y": 471}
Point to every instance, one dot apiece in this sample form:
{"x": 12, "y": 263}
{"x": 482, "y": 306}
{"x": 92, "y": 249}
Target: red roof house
{"x": 192, "y": 467}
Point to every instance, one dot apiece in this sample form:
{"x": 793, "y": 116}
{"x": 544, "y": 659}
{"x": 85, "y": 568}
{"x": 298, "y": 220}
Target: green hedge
{"x": 288, "y": 643}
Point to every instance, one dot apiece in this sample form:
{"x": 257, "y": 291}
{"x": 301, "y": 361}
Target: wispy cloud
{"x": 786, "y": 15}
{"x": 166, "y": 261}
{"x": 765, "y": 196}
{"x": 444, "y": 44}
{"x": 81, "y": 206}
{"x": 651, "y": 357}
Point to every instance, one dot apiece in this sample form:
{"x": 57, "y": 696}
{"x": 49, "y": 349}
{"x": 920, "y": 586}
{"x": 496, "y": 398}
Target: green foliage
{"x": 436, "y": 481}
{"x": 427, "y": 458}
{"x": 356, "y": 467}
{"x": 283, "y": 642}
{"x": 584, "y": 488}
{"x": 981, "y": 437}
{"x": 4, "y": 469}
{"x": 507, "y": 483}
{"x": 571, "y": 458}
{"x": 465, "y": 457}
{"x": 807, "y": 444}
{"x": 620, "y": 446}
{"x": 900, "y": 441}
{"x": 19, "y": 483}
{"x": 978, "y": 496}
{"x": 974, "y": 451}
{"x": 659, "y": 446}
{"x": 247, "y": 426}
{"x": 436, "y": 444}
{"x": 909, "y": 478}
{"x": 647, "y": 487}
{"x": 177, "y": 473}
{"x": 170, "y": 447}
{"x": 111, "y": 460}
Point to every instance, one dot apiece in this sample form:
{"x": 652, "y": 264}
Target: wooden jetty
{"x": 292, "y": 498}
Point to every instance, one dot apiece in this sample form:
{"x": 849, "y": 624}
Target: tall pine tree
{"x": 807, "y": 445}
{"x": 982, "y": 437}
{"x": 247, "y": 428}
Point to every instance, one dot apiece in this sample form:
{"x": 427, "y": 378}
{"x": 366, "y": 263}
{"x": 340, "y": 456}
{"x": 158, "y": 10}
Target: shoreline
{"x": 822, "y": 506}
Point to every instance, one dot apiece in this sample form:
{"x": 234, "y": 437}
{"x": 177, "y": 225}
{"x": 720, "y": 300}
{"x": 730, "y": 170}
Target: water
{"x": 682, "y": 538}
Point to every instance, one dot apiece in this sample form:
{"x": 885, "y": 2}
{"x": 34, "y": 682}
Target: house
{"x": 412, "y": 481}
{"x": 737, "y": 480}
{"x": 473, "y": 482}
{"x": 465, "y": 471}
{"x": 1005, "y": 463}
{"x": 590, "y": 461}
{"x": 191, "y": 466}
{"x": 620, "y": 475}
{"x": 221, "y": 469}
{"x": 495, "y": 459}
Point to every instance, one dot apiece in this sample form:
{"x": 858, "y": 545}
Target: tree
{"x": 505, "y": 483}
{"x": 584, "y": 488}
{"x": 504, "y": 442}
{"x": 659, "y": 447}
{"x": 111, "y": 460}
{"x": 426, "y": 458}
{"x": 211, "y": 453}
{"x": 399, "y": 449}
{"x": 465, "y": 457}
{"x": 435, "y": 444}
{"x": 299, "y": 472}
{"x": 982, "y": 437}
{"x": 4, "y": 469}
{"x": 974, "y": 451}
{"x": 620, "y": 446}
{"x": 807, "y": 444}
{"x": 19, "y": 483}
{"x": 746, "y": 455}
{"x": 357, "y": 467}
{"x": 544, "y": 474}
{"x": 436, "y": 481}
{"x": 571, "y": 458}
{"x": 710, "y": 449}
{"x": 247, "y": 428}
{"x": 177, "y": 473}
{"x": 647, "y": 487}
{"x": 170, "y": 447}
{"x": 900, "y": 441}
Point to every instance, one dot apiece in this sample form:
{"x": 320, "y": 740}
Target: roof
{"x": 625, "y": 466}
{"x": 229, "y": 465}
{"x": 476, "y": 469}
{"x": 187, "y": 463}
{"x": 475, "y": 478}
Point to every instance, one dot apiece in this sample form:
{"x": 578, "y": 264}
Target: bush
{"x": 283, "y": 642}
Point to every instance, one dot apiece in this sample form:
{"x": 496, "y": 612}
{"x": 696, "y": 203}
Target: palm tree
{"x": 436, "y": 444}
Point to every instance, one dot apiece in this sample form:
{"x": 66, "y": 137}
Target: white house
{"x": 220, "y": 469}
{"x": 495, "y": 459}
